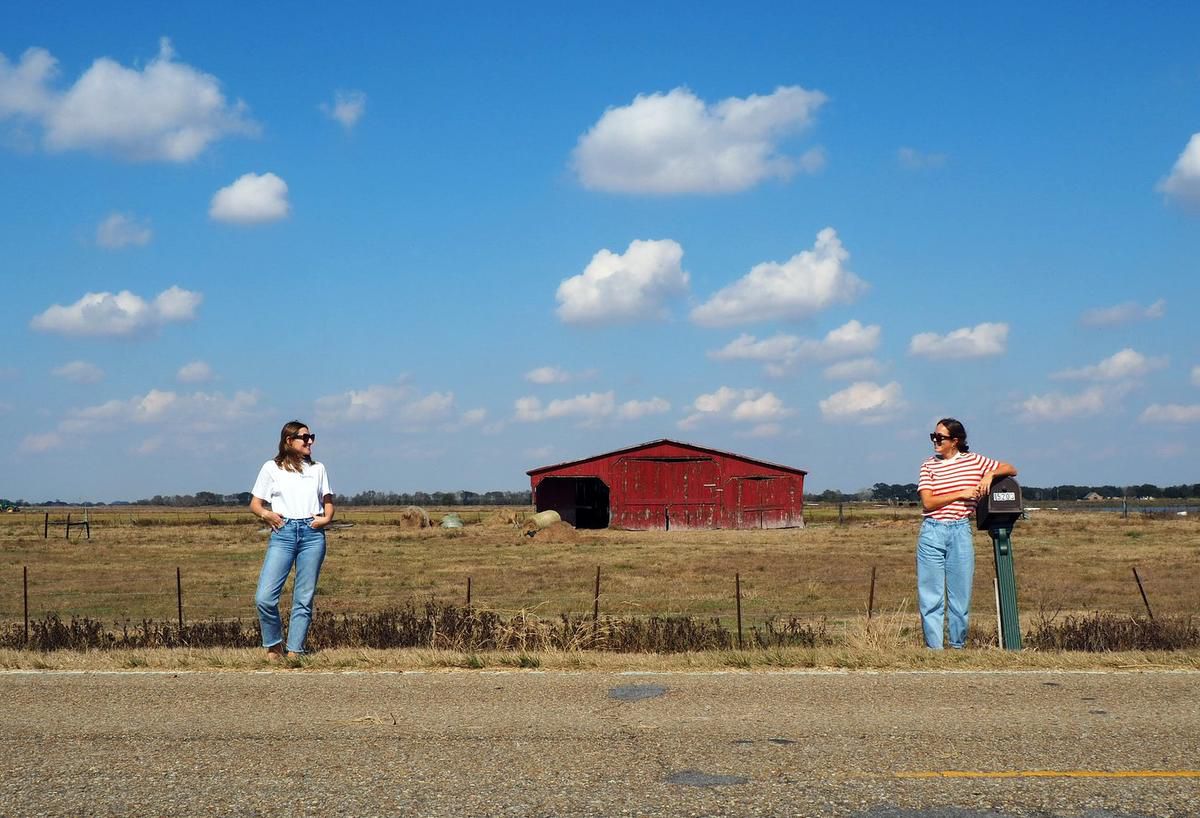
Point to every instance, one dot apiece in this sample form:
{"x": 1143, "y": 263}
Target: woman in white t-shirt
{"x": 950, "y": 483}
{"x": 301, "y": 505}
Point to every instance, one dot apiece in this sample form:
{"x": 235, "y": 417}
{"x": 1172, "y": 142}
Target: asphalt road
{"x": 604, "y": 744}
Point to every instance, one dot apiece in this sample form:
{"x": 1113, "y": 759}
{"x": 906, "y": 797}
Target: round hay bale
{"x": 557, "y": 532}
{"x": 413, "y": 517}
{"x": 503, "y": 517}
{"x": 544, "y": 518}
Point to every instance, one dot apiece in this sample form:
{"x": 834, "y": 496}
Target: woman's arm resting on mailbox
{"x": 1001, "y": 470}
{"x": 932, "y": 502}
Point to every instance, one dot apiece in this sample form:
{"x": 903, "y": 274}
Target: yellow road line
{"x": 1051, "y": 774}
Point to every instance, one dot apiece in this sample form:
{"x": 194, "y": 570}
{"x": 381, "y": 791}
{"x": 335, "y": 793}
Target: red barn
{"x": 665, "y": 485}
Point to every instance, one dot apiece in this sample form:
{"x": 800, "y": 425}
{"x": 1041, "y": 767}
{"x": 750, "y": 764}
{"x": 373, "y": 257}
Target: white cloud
{"x": 473, "y": 417}
{"x": 122, "y": 314}
{"x": 756, "y": 410}
{"x": 763, "y": 430}
{"x": 590, "y": 407}
{"x": 979, "y": 341}
{"x": 347, "y": 108}
{"x": 808, "y": 282}
{"x": 676, "y": 143}
{"x": 1123, "y": 365}
{"x": 737, "y": 405}
{"x": 547, "y": 375}
{"x": 634, "y": 409}
{"x": 913, "y": 159}
{"x": 252, "y": 199}
{"x": 431, "y": 407}
{"x": 194, "y": 372}
{"x": 856, "y": 369}
{"x": 41, "y": 443}
{"x": 780, "y": 353}
{"x": 149, "y": 446}
{"x": 1125, "y": 313}
{"x": 1183, "y": 183}
{"x": 80, "y": 372}
{"x": 1057, "y": 406}
{"x": 400, "y": 402}
{"x": 198, "y": 411}
{"x": 1196, "y": 376}
{"x": 1171, "y": 413}
{"x": 624, "y": 287}
{"x": 541, "y": 453}
{"x": 165, "y": 111}
{"x": 123, "y": 230}
{"x": 863, "y": 402}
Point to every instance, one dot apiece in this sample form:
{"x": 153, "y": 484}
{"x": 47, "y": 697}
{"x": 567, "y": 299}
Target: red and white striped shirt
{"x": 962, "y": 471}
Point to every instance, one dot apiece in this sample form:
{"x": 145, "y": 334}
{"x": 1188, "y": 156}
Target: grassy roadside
{"x": 1065, "y": 562}
{"x": 822, "y": 658}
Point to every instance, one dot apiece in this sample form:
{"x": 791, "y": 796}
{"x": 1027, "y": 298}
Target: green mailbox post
{"x": 996, "y": 513}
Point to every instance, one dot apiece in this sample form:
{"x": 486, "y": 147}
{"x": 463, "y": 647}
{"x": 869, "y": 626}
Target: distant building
{"x": 665, "y": 485}
{"x": 1091, "y": 495}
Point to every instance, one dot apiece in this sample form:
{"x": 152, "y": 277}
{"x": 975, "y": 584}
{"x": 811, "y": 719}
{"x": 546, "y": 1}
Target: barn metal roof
{"x": 648, "y": 444}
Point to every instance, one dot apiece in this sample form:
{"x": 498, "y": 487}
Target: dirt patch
{"x": 413, "y": 517}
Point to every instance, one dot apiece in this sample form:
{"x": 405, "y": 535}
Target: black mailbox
{"x": 1001, "y": 507}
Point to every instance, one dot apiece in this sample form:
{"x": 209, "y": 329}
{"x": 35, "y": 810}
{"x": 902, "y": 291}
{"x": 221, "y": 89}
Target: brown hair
{"x": 287, "y": 459}
{"x": 957, "y": 431}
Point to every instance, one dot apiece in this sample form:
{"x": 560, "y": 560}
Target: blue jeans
{"x": 299, "y": 543}
{"x": 945, "y": 569}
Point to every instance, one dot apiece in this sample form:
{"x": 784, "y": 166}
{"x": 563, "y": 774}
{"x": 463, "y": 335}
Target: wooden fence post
{"x": 25, "y": 584}
{"x": 179, "y": 598}
{"x": 468, "y": 592}
{"x": 871, "y": 598}
{"x": 46, "y": 526}
{"x": 596, "y": 598}
{"x": 737, "y": 585}
{"x": 1145, "y": 601}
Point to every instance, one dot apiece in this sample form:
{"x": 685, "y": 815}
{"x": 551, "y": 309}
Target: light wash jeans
{"x": 299, "y": 543}
{"x": 945, "y": 569}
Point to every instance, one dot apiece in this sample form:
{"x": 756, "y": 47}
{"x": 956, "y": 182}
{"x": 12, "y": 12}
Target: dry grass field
{"x": 1066, "y": 562}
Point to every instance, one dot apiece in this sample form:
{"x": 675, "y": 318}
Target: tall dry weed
{"x": 886, "y": 632}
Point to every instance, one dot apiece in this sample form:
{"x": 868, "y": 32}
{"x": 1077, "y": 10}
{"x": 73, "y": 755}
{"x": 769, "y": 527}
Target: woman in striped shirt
{"x": 951, "y": 482}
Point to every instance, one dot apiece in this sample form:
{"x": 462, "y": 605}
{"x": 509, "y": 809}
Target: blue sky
{"x": 466, "y": 242}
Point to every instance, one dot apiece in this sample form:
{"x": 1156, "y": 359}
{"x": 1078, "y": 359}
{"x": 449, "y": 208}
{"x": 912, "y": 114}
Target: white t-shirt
{"x": 293, "y": 495}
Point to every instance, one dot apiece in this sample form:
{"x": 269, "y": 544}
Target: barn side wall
{"x": 673, "y": 487}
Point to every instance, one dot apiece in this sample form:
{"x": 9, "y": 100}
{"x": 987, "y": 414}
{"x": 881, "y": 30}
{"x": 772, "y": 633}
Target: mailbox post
{"x": 997, "y": 513}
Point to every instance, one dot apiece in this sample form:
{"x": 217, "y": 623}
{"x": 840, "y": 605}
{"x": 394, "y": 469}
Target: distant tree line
{"x": 437, "y": 498}
{"x": 879, "y": 492}
{"x": 907, "y": 492}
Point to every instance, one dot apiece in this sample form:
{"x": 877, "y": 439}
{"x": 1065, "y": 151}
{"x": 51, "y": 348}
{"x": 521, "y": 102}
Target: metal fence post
{"x": 25, "y": 584}
{"x": 179, "y": 598}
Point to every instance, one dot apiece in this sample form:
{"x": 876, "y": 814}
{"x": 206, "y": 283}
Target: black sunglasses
{"x": 305, "y": 438}
{"x": 939, "y": 439}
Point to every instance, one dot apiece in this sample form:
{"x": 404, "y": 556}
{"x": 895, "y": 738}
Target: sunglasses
{"x": 306, "y": 439}
{"x": 939, "y": 439}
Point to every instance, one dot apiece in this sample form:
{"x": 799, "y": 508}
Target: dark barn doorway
{"x": 580, "y": 501}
